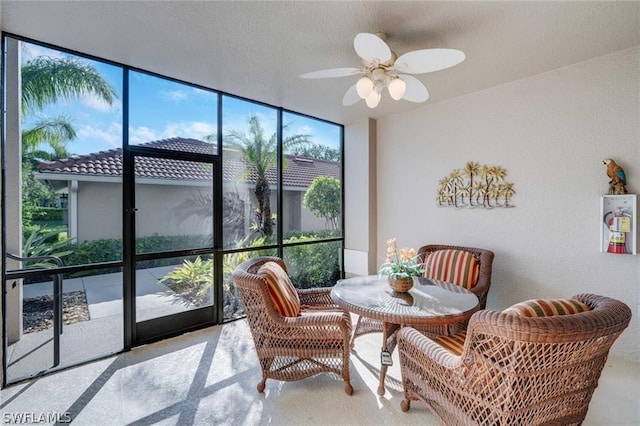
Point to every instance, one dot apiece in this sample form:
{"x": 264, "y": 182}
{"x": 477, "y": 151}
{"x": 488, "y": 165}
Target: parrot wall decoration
{"x": 618, "y": 180}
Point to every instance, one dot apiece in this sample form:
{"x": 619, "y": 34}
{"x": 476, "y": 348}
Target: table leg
{"x": 388, "y": 345}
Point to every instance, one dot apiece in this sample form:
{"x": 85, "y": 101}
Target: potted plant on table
{"x": 400, "y": 266}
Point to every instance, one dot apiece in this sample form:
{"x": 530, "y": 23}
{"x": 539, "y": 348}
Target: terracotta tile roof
{"x": 299, "y": 171}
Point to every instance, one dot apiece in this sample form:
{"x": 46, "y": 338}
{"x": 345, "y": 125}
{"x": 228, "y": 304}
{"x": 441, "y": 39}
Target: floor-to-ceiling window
{"x": 65, "y": 196}
{"x": 312, "y": 200}
{"x": 143, "y": 193}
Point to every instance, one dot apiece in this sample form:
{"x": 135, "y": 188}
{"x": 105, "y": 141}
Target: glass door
{"x": 171, "y": 267}
{"x": 171, "y": 164}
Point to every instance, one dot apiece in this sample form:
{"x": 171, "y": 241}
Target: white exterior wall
{"x": 551, "y": 132}
{"x": 295, "y": 217}
{"x": 100, "y": 211}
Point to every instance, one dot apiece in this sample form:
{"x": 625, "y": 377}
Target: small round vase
{"x": 401, "y": 285}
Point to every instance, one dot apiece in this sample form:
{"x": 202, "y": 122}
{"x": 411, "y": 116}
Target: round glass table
{"x": 427, "y": 303}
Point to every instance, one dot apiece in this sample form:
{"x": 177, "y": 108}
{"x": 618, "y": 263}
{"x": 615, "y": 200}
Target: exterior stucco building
{"x": 166, "y": 188}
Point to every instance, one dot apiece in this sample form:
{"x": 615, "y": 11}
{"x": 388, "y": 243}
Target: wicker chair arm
{"x": 314, "y": 316}
{"x": 411, "y": 340}
{"x": 319, "y": 296}
{"x": 315, "y": 319}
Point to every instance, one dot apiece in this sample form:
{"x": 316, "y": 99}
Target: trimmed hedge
{"x": 310, "y": 265}
{"x": 47, "y": 214}
{"x": 107, "y": 250}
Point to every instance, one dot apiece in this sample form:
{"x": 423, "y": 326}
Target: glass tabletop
{"x": 427, "y": 301}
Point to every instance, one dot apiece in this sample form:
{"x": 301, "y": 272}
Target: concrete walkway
{"x": 103, "y": 334}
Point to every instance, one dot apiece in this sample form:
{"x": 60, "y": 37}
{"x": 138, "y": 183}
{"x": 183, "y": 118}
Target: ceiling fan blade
{"x": 416, "y": 91}
{"x": 428, "y": 60}
{"x": 370, "y": 47}
{"x": 333, "y": 72}
{"x": 351, "y": 97}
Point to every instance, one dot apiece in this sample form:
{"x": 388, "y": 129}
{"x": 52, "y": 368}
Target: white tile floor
{"x": 209, "y": 377}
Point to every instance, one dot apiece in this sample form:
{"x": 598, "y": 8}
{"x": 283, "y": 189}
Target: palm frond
{"x": 46, "y": 80}
{"x": 54, "y": 132}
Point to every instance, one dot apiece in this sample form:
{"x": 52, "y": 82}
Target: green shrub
{"x": 95, "y": 251}
{"x": 310, "y": 265}
{"x": 193, "y": 280}
{"x": 313, "y": 265}
{"x": 47, "y": 214}
{"x": 108, "y": 250}
{"x": 45, "y": 242}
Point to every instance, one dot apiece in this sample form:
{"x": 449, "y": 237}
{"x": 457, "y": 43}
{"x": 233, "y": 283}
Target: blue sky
{"x": 161, "y": 109}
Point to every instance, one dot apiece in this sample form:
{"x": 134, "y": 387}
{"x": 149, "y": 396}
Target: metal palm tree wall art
{"x": 475, "y": 186}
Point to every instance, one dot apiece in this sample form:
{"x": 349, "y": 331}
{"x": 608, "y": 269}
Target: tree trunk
{"x": 263, "y": 193}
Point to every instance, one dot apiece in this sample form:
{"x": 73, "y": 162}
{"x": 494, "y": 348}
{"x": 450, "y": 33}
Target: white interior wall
{"x": 551, "y": 132}
{"x": 360, "y": 198}
{"x": 12, "y": 211}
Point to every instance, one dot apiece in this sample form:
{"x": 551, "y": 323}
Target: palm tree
{"x": 508, "y": 192}
{"x": 45, "y": 81}
{"x": 442, "y": 186}
{"x": 478, "y": 190}
{"x": 455, "y": 177}
{"x": 488, "y": 173}
{"x": 471, "y": 169}
{"x": 260, "y": 154}
{"x": 494, "y": 192}
{"x": 54, "y": 132}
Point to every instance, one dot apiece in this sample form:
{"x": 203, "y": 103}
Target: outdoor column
{"x": 72, "y": 209}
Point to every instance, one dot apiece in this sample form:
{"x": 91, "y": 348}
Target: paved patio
{"x": 102, "y": 335}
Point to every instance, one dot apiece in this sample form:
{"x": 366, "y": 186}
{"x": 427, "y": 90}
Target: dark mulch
{"x": 37, "y": 312}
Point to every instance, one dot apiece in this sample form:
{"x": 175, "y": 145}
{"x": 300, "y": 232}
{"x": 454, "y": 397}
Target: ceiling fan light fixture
{"x": 379, "y": 74}
{"x": 381, "y": 68}
{"x": 364, "y": 87}
{"x": 373, "y": 99}
{"x": 397, "y": 88}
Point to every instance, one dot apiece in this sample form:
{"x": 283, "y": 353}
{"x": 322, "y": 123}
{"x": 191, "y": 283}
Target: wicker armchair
{"x": 514, "y": 370}
{"x": 481, "y": 289}
{"x": 293, "y": 348}
{"x": 485, "y": 257}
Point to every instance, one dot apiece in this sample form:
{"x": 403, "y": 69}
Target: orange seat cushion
{"x": 454, "y": 343}
{"x": 281, "y": 289}
{"x": 546, "y": 307}
{"x": 453, "y": 266}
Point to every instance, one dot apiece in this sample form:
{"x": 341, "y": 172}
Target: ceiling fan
{"x": 381, "y": 68}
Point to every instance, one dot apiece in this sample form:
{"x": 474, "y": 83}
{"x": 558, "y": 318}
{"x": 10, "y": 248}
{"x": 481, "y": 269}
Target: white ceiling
{"x": 259, "y": 49}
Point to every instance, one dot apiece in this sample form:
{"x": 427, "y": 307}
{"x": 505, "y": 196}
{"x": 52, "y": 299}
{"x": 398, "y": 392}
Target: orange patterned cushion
{"x": 283, "y": 293}
{"x": 453, "y": 344}
{"x": 479, "y": 375}
{"x": 546, "y": 307}
{"x": 453, "y": 266}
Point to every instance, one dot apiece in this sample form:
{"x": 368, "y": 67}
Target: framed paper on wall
{"x": 618, "y": 224}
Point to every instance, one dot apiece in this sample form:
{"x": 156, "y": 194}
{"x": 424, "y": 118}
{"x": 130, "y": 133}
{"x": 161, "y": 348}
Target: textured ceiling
{"x": 259, "y": 49}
